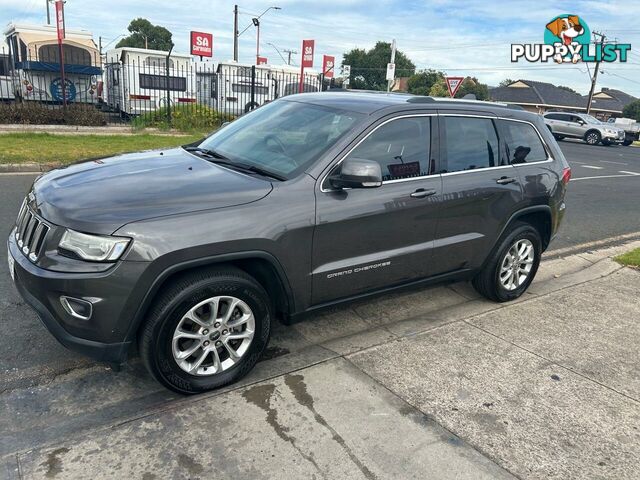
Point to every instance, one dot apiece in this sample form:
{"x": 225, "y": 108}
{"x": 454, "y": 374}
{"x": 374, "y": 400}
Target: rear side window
{"x": 523, "y": 143}
{"x": 401, "y": 147}
{"x": 553, "y": 116}
{"x": 470, "y": 143}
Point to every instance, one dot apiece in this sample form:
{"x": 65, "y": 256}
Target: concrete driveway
{"x": 433, "y": 383}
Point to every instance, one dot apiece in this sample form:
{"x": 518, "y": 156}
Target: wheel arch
{"x": 261, "y": 265}
{"x": 538, "y": 216}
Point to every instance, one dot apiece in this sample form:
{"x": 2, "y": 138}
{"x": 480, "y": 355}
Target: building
{"x": 541, "y": 97}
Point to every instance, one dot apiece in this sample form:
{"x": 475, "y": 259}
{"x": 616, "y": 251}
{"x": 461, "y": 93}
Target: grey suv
{"x": 583, "y": 126}
{"x": 309, "y": 201}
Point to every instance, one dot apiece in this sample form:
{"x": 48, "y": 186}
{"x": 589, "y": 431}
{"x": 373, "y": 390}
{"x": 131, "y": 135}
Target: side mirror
{"x": 357, "y": 173}
{"x": 582, "y": 122}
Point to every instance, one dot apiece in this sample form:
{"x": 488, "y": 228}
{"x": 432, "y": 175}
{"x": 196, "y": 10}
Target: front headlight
{"x": 93, "y": 247}
{"x": 611, "y": 131}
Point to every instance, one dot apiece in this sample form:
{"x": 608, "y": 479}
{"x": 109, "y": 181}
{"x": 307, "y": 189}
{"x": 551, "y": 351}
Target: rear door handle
{"x": 422, "y": 193}
{"x": 505, "y": 180}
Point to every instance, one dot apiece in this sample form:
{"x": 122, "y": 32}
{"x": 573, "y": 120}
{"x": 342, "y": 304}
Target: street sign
{"x": 391, "y": 71}
{"x": 346, "y": 71}
{"x": 307, "y": 53}
{"x": 60, "y": 20}
{"x": 453, "y": 84}
{"x": 202, "y": 44}
{"x": 328, "y": 63}
{"x": 262, "y": 60}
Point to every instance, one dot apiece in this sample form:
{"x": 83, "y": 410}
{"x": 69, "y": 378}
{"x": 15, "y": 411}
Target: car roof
{"x": 368, "y": 102}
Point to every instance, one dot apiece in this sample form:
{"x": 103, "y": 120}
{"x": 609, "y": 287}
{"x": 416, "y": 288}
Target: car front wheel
{"x": 512, "y": 266}
{"x": 593, "y": 137}
{"x": 207, "y": 330}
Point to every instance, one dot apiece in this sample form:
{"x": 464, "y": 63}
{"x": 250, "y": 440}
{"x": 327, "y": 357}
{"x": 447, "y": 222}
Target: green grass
{"x": 47, "y": 148}
{"x": 630, "y": 259}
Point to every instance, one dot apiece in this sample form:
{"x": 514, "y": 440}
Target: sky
{"x": 459, "y": 37}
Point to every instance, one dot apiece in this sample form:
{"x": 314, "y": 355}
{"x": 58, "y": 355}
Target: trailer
{"x": 237, "y": 88}
{"x": 139, "y": 80}
{"x": 6, "y": 83}
{"x": 34, "y": 64}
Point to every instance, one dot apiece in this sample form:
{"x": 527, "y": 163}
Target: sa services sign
{"x": 202, "y": 44}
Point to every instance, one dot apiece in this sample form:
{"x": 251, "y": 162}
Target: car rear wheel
{"x": 592, "y": 137}
{"x": 512, "y": 266}
{"x": 626, "y": 143}
{"x": 207, "y": 330}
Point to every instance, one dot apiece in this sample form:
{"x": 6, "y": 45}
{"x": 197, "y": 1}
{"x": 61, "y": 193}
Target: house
{"x": 541, "y": 97}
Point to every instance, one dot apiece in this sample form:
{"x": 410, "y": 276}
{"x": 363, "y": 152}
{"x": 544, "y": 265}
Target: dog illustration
{"x": 566, "y": 29}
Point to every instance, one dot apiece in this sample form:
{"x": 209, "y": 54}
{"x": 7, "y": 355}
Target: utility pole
{"x": 48, "y": 13}
{"x": 235, "y": 33}
{"x": 602, "y": 37}
{"x": 393, "y": 60}
{"x": 289, "y": 53}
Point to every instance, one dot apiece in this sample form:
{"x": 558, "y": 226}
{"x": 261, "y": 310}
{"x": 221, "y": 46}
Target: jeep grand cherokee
{"x": 309, "y": 201}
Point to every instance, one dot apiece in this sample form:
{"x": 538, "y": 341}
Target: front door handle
{"x": 422, "y": 193}
{"x": 505, "y": 180}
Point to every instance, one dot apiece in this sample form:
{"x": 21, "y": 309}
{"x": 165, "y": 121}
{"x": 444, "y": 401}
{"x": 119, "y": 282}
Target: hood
{"x": 100, "y": 196}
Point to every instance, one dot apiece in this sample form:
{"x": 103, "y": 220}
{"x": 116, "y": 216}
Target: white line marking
{"x": 591, "y": 166}
{"x": 575, "y": 161}
{"x": 616, "y": 163}
{"x": 603, "y": 176}
{"x": 629, "y": 173}
{"x": 594, "y": 244}
{"x": 6, "y": 174}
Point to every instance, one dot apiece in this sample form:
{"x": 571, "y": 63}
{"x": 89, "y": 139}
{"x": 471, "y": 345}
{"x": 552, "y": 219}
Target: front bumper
{"x": 104, "y": 335}
{"x": 613, "y": 137}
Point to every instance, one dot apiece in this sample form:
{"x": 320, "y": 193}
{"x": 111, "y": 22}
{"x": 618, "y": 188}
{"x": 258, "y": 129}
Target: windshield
{"x": 283, "y": 137}
{"x": 590, "y": 119}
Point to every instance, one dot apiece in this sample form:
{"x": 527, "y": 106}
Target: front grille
{"x": 31, "y": 232}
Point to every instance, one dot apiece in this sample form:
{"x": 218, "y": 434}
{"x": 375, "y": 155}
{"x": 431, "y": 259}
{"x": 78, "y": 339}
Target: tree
{"x": 146, "y": 35}
{"x": 506, "y": 82}
{"x": 439, "y": 89}
{"x": 369, "y": 68}
{"x": 632, "y": 110}
{"x": 421, "y": 83}
{"x": 568, "y": 89}
{"x": 471, "y": 85}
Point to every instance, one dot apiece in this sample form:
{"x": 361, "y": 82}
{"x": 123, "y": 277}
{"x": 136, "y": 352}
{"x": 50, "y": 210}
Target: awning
{"x": 55, "y": 67}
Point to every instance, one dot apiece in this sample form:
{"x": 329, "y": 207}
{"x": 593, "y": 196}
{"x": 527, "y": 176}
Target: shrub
{"x": 33, "y": 113}
{"x": 187, "y": 118}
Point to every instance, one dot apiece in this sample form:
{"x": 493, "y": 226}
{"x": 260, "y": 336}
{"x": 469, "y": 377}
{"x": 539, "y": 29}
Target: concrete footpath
{"x": 427, "y": 384}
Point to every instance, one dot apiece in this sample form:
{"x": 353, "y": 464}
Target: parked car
{"x": 307, "y": 202}
{"x": 581, "y": 125}
{"x": 631, "y": 129}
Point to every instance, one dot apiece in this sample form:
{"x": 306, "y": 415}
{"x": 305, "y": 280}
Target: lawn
{"x": 47, "y": 148}
{"x": 630, "y": 259}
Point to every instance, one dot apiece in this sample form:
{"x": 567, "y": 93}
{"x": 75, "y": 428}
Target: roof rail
{"x": 420, "y": 99}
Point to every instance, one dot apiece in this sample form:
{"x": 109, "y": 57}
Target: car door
{"x": 576, "y": 126}
{"x": 480, "y": 191}
{"x": 367, "y": 239}
{"x": 562, "y": 124}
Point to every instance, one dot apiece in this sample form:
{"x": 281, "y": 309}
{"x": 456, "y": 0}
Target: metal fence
{"x": 144, "y": 88}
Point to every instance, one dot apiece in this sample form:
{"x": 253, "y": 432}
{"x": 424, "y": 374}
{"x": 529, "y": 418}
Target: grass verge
{"x": 630, "y": 259}
{"x": 47, "y": 148}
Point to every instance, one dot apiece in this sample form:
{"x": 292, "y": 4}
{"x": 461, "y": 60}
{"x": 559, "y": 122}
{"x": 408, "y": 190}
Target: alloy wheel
{"x": 517, "y": 264}
{"x": 592, "y": 138}
{"x": 213, "y": 335}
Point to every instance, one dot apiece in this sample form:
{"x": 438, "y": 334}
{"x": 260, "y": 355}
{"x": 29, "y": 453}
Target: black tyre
{"x": 592, "y": 137}
{"x": 626, "y": 143}
{"x": 558, "y": 137}
{"x": 206, "y": 330}
{"x": 512, "y": 266}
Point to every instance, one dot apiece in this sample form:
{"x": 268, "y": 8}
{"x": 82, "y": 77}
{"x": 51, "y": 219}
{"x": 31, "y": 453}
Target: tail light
{"x": 566, "y": 175}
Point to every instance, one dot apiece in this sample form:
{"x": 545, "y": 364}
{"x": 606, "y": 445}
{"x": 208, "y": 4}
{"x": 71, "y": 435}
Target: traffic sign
{"x": 391, "y": 71}
{"x": 346, "y": 71}
{"x": 453, "y": 84}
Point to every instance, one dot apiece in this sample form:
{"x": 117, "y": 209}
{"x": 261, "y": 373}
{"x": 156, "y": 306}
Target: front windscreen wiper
{"x": 222, "y": 160}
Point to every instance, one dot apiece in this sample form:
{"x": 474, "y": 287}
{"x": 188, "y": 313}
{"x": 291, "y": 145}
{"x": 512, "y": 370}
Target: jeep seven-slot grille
{"x": 31, "y": 232}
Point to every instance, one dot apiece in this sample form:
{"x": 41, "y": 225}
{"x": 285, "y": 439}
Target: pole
{"x": 393, "y": 60}
{"x": 595, "y": 74}
{"x": 235, "y": 33}
{"x": 168, "y": 89}
{"x": 48, "y": 13}
{"x": 258, "y": 43}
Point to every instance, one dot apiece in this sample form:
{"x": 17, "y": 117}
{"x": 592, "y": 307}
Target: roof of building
{"x": 530, "y": 92}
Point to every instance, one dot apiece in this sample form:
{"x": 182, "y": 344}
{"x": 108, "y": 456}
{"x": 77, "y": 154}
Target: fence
{"x": 145, "y": 88}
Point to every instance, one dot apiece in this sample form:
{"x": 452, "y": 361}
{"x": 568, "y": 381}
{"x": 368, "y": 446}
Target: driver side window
{"x": 401, "y": 147}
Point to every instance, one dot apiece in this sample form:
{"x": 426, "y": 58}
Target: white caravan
{"x": 136, "y": 80}
{"x": 34, "y": 64}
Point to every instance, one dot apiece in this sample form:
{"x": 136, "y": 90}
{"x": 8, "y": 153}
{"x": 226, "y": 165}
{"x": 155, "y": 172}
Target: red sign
{"x": 262, "y": 60}
{"x": 60, "y": 20}
{"x": 328, "y": 63}
{"x": 453, "y": 84}
{"x": 307, "y": 53}
{"x": 202, "y": 44}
